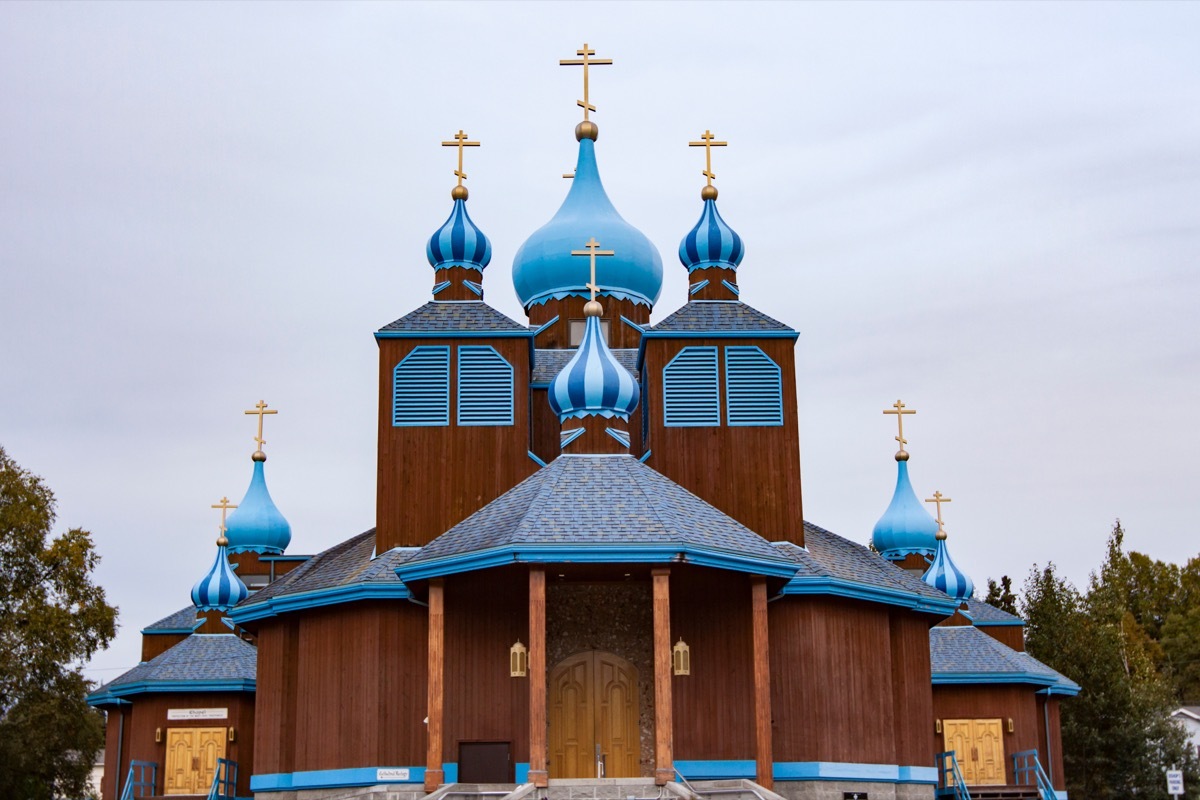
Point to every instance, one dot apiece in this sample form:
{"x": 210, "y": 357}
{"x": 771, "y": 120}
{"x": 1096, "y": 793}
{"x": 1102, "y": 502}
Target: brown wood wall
{"x": 714, "y": 706}
{"x": 912, "y": 703}
{"x": 991, "y": 702}
{"x": 1011, "y": 635}
{"x": 750, "y": 473}
{"x": 461, "y": 468}
{"x": 620, "y": 335}
{"x": 1053, "y": 763}
{"x": 275, "y": 700}
{"x": 545, "y": 427}
{"x": 148, "y": 712}
{"x": 155, "y": 644}
{"x": 715, "y": 290}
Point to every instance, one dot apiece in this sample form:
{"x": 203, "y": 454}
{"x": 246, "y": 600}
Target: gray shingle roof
{"x": 983, "y": 614}
{"x": 964, "y": 650}
{"x": 548, "y": 363}
{"x": 594, "y": 501}
{"x": 719, "y": 316}
{"x": 202, "y": 658}
{"x": 434, "y": 317}
{"x": 185, "y": 619}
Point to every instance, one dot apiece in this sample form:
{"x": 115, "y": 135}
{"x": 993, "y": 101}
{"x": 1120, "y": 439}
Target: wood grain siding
{"x": 275, "y": 697}
{"x": 1011, "y": 635}
{"x": 750, "y": 473}
{"x": 715, "y": 289}
{"x": 831, "y": 681}
{"x": 431, "y": 478}
{"x": 1050, "y": 753}
{"x": 545, "y": 428}
{"x": 457, "y": 290}
{"x": 912, "y": 704}
{"x": 155, "y": 644}
{"x": 486, "y": 612}
{"x": 620, "y": 335}
{"x": 1017, "y": 703}
{"x": 714, "y": 706}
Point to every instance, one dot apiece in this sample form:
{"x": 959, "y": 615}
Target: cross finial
{"x": 585, "y": 62}
{"x": 460, "y": 141}
{"x": 593, "y": 251}
{"x": 225, "y": 506}
{"x": 708, "y": 142}
{"x": 939, "y": 499}
{"x": 900, "y": 410}
{"x": 260, "y": 409}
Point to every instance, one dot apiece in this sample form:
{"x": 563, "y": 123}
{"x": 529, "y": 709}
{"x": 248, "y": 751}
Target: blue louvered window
{"x": 485, "y": 387}
{"x": 753, "y": 387}
{"x": 421, "y": 388}
{"x": 691, "y": 397}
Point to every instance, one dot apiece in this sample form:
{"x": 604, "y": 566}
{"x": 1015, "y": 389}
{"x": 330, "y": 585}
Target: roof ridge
{"x": 549, "y": 480}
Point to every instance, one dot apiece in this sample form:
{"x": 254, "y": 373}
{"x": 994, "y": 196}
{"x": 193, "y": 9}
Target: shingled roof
{"x": 964, "y": 654}
{"x": 548, "y": 363}
{"x": 983, "y": 614}
{"x": 203, "y": 662}
{"x": 185, "y": 620}
{"x": 717, "y": 317}
{"x": 446, "y": 317}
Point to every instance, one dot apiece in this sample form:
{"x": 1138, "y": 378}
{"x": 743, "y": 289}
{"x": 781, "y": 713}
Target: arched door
{"x": 594, "y": 717}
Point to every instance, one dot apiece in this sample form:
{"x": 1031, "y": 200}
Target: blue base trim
{"x": 808, "y": 771}
{"x": 521, "y": 772}
{"x": 715, "y": 770}
{"x": 319, "y": 597}
{"x": 337, "y": 778}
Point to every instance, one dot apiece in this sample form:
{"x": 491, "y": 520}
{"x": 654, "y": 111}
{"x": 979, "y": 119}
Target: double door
{"x": 593, "y": 710}
{"x": 191, "y": 761}
{"x": 978, "y": 744}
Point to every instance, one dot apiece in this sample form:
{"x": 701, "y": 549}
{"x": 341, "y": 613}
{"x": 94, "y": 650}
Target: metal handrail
{"x": 955, "y": 785}
{"x": 1026, "y": 764}
{"x": 224, "y": 787}
{"x": 133, "y": 783}
{"x": 710, "y": 792}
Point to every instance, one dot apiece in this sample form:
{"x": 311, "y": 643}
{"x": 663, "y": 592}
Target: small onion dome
{"x": 593, "y": 383}
{"x": 712, "y": 243}
{"x": 257, "y": 525}
{"x": 943, "y": 574}
{"x": 544, "y": 269}
{"x": 906, "y": 526}
{"x": 459, "y": 242}
{"x": 220, "y": 589}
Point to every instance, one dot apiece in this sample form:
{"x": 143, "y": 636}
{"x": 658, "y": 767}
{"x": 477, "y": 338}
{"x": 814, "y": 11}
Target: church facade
{"x": 589, "y": 561}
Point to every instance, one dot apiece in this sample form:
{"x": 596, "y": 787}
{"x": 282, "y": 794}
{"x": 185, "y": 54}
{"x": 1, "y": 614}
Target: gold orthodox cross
{"x": 260, "y": 408}
{"x": 460, "y": 141}
{"x": 708, "y": 142}
{"x": 900, "y": 411}
{"x": 593, "y": 250}
{"x": 225, "y": 506}
{"x": 585, "y": 62}
{"x": 939, "y": 499}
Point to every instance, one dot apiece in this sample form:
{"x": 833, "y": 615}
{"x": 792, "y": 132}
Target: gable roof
{"x": 185, "y": 620}
{"x": 471, "y": 316}
{"x": 203, "y": 662}
{"x": 984, "y": 615}
{"x": 717, "y": 317}
{"x": 963, "y": 654}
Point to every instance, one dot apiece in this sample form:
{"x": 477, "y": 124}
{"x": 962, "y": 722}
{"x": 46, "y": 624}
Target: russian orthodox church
{"x": 570, "y": 588}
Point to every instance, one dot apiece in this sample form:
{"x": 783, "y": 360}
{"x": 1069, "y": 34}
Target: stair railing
{"x": 1027, "y": 771}
{"x": 136, "y": 784}
{"x": 950, "y": 779}
{"x": 224, "y": 785}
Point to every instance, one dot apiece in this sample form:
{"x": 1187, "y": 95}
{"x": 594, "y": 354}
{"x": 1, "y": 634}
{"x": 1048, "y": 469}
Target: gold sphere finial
{"x": 941, "y": 534}
{"x": 458, "y": 192}
{"x": 902, "y": 455}
{"x": 592, "y": 308}
{"x": 222, "y": 541}
{"x": 258, "y": 455}
{"x": 586, "y": 130}
{"x": 708, "y": 192}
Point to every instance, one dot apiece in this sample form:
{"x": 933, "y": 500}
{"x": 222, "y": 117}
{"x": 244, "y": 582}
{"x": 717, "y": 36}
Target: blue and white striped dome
{"x": 906, "y": 526}
{"x": 220, "y": 589}
{"x": 256, "y": 524}
{"x": 593, "y": 383}
{"x": 943, "y": 574}
{"x": 459, "y": 242}
{"x": 712, "y": 243}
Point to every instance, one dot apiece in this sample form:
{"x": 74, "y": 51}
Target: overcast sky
{"x": 988, "y": 210}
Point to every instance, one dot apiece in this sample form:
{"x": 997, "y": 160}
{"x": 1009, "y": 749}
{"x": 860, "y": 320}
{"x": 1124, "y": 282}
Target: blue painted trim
{"x": 440, "y": 286}
{"x": 521, "y": 772}
{"x": 545, "y": 325}
{"x": 918, "y": 775}
{"x": 752, "y": 379}
{"x": 695, "y": 287}
{"x": 645, "y": 456}
{"x": 731, "y": 287}
{"x": 720, "y": 334}
{"x": 486, "y": 394}
{"x": 1066, "y": 690}
{"x": 536, "y": 460}
{"x": 338, "y": 778}
{"x": 282, "y": 604}
{"x": 156, "y": 631}
{"x": 474, "y": 287}
{"x": 808, "y": 771}
{"x": 428, "y": 367}
{"x": 472, "y": 334}
{"x": 691, "y": 389}
{"x": 619, "y": 293}
{"x": 158, "y": 687}
{"x": 1060, "y": 795}
{"x": 716, "y": 770}
{"x": 632, "y": 324}
{"x": 963, "y": 678}
{"x": 620, "y": 436}
{"x": 594, "y": 554}
{"x": 874, "y": 594}
{"x": 566, "y": 437}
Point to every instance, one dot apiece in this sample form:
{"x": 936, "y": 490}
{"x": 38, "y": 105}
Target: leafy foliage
{"x": 52, "y": 618}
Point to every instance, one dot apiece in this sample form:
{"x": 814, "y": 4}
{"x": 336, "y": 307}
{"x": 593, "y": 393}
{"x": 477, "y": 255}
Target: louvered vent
{"x": 485, "y": 387}
{"x": 421, "y": 388}
{"x": 690, "y": 394}
{"x": 753, "y": 387}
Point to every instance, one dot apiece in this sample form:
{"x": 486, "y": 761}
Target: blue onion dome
{"x": 906, "y": 527}
{"x": 593, "y": 383}
{"x": 943, "y": 574}
{"x": 711, "y": 243}
{"x": 459, "y": 242}
{"x": 544, "y": 269}
{"x": 257, "y": 525}
{"x": 220, "y": 589}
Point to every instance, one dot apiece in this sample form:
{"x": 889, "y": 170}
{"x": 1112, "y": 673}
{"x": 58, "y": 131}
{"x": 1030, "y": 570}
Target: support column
{"x": 538, "y": 774}
{"x": 433, "y": 730}
{"x": 763, "y": 759}
{"x": 664, "y": 725}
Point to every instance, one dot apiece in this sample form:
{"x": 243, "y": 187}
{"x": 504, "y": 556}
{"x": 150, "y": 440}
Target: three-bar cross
{"x": 593, "y": 250}
{"x": 225, "y": 506}
{"x": 460, "y": 141}
{"x": 708, "y": 142}
{"x": 899, "y": 410}
{"x": 938, "y": 499}
{"x": 585, "y": 62}
{"x": 260, "y": 408}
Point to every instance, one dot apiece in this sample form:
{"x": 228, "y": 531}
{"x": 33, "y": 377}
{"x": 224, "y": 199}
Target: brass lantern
{"x": 681, "y": 658}
{"x": 518, "y": 660}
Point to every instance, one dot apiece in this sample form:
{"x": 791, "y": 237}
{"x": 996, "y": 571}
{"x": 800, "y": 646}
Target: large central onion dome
{"x": 544, "y": 269}
{"x": 257, "y": 526}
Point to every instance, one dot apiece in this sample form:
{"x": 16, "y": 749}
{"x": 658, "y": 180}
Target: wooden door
{"x": 191, "y": 760}
{"x": 594, "y": 711}
{"x": 978, "y": 745}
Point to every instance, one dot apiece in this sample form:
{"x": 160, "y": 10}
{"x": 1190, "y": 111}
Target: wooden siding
{"x": 431, "y": 478}
{"x": 912, "y": 703}
{"x": 1017, "y": 703}
{"x": 750, "y": 473}
{"x": 1011, "y": 635}
{"x": 715, "y": 290}
{"x": 457, "y": 290}
{"x": 155, "y": 644}
{"x": 1048, "y": 709}
{"x": 544, "y": 429}
{"x": 558, "y": 335}
{"x": 275, "y": 698}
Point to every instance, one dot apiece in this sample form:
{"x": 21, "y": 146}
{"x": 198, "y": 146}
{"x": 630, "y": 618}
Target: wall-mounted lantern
{"x": 681, "y": 658}
{"x": 937, "y": 726}
{"x": 1010, "y": 725}
{"x": 158, "y": 734}
{"x": 232, "y": 734}
{"x": 518, "y": 660}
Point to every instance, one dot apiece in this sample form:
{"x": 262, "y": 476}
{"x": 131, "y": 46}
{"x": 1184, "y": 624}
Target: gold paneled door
{"x": 191, "y": 761}
{"x": 978, "y": 745}
{"x": 594, "y": 717}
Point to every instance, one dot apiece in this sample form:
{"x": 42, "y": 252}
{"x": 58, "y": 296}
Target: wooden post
{"x": 664, "y": 760}
{"x": 433, "y": 731}
{"x": 762, "y": 683}
{"x": 539, "y": 776}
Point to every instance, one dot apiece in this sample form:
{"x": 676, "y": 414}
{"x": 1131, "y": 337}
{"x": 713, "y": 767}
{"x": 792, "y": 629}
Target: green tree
{"x": 52, "y": 618}
{"x": 1001, "y": 595}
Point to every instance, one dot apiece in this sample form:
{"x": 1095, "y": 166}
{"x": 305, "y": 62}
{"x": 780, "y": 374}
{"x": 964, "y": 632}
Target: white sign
{"x": 197, "y": 713}
{"x": 1175, "y": 782}
{"x": 400, "y": 774}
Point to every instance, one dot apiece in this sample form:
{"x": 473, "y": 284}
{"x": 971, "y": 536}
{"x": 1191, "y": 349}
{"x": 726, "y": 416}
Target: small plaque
{"x": 854, "y": 796}
{"x": 399, "y": 774}
{"x": 197, "y": 713}
{"x": 1175, "y": 782}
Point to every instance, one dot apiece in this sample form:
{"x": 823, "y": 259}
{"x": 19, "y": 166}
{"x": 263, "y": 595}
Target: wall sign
{"x": 392, "y": 774}
{"x": 197, "y": 713}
